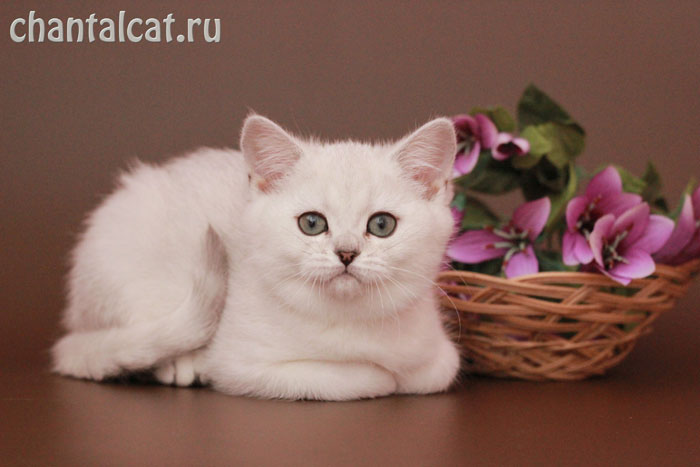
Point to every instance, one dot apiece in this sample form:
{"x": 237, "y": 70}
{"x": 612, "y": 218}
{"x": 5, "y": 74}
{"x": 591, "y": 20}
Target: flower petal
{"x": 522, "y": 263}
{"x": 501, "y": 139}
{"x": 575, "y": 249}
{"x": 634, "y": 221}
{"x": 567, "y": 248}
{"x": 696, "y": 203}
{"x": 532, "y": 216}
{"x": 618, "y": 203}
{"x": 475, "y": 246}
{"x": 523, "y": 145}
{"x": 465, "y": 163}
{"x": 465, "y": 124}
{"x": 692, "y": 250}
{"x": 606, "y": 182}
{"x": 639, "y": 264}
{"x": 574, "y": 210}
{"x": 659, "y": 230}
{"x": 582, "y": 250}
{"x": 622, "y": 280}
{"x": 601, "y": 230}
{"x": 507, "y": 146}
{"x": 487, "y": 131}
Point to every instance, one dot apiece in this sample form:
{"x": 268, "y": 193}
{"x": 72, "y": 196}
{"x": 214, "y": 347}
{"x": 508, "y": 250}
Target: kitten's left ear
{"x": 427, "y": 155}
{"x": 269, "y": 151}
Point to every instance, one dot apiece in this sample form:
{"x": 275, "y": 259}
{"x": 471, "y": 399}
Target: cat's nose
{"x": 346, "y": 257}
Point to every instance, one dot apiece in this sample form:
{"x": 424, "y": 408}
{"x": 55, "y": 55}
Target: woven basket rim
{"x": 572, "y": 277}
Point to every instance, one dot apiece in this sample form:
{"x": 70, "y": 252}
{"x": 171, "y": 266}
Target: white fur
{"x": 214, "y": 234}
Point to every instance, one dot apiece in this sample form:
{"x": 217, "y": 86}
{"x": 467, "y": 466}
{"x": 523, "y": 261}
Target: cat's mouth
{"x": 348, "y": 277}
{"x": 345, "y": 275}
{"x": 345, "y": 285}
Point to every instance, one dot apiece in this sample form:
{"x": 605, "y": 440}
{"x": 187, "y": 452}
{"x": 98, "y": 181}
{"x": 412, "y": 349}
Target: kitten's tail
{"x": 109, "y": 352}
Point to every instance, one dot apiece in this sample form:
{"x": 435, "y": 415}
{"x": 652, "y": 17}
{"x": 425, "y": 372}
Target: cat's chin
{"x": 345, "y": 286}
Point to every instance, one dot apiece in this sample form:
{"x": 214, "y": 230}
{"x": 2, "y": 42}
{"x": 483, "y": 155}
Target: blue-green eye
{"x": 381, "y": 224}
{"x": 312, "y": 223}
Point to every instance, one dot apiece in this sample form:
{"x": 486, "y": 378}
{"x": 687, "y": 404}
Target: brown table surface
{"x": 645, "y": 412}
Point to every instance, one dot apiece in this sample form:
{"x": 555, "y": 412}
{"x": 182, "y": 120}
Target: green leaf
{"x": 549, "y": 128}
{"x": 581, "y": 174}
{"x": 559, "y": 143}
{"x": 550, "y": 260}
{"x": 630, "y": 182}
{"x": 687, "y": 191}
{"x": 660, "y": 205}
{"x": 535, "y": 107}
{"x": 498, "y": 115}
{"x": 544, "y": 179}
{"x": 526, "y": 161}
{"x": 569, "y": 143}
{"x": 653, "y": 180}
{"x": 490, "y": 176}
{"x": 496, "y": 181}
{"x": 561, "y": 200}
{"x": 459, "y": 201}
{"x": 491, "y": 267}
{"x": 648, "y": 186}
{"x": 503, "y": 119}
{"x": 652, "y": 191}
{"x": 540, "y": 143}
{"x": 477, "y": 214}
{"x": 691, "y": 186}
{"x": 539, "y": 146}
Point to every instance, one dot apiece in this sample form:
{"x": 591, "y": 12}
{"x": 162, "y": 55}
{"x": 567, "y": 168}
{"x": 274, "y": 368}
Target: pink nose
{"x": 346, "y": 257}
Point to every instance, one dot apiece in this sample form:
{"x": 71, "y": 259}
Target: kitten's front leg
{"x": 434, "y": 375}
{"x": 311, "y": 379}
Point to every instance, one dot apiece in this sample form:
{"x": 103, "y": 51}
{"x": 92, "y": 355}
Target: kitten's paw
{"x": 73, "y": 356}
{"x": 436, "y": 375}
{"x": 180, "y": 371}
{"x": 165, "y": 373}
{"x": 380, "y": 383}
{"x": 308, "y": 379}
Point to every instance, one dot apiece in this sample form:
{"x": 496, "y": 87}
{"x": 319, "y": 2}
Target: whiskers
{"x": 435, "y": 285}
{"x": 393, "y": 312}
{"x": 300, "y": 274}
{"x": 388, "y": 289}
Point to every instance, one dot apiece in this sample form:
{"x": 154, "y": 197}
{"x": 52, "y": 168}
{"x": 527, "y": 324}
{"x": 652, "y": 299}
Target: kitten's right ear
{"x": 269, "y": 151}
{"x": 427, "y": 155}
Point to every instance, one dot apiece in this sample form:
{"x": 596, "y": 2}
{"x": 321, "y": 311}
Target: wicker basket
{"x": 555, "y": 325}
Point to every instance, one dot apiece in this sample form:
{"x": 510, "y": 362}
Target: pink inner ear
{"x": 269, "y": 151}
{"x": 427, "y": 155}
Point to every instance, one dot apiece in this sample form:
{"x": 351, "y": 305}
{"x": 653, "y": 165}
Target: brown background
{"x": 73, "y": 114}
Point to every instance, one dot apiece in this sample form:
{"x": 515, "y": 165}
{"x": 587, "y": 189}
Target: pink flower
{"x": 473, "y": 134}
{"x": 684, "y": 243}
{"x": 622, "y": 246}
{"x": 513, "y": 242}
{"x": 508, "y": 146}
{"x": 603, "y": 196}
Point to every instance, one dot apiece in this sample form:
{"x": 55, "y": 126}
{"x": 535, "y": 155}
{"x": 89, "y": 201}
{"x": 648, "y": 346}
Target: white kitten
{"x": 294, "y": 270}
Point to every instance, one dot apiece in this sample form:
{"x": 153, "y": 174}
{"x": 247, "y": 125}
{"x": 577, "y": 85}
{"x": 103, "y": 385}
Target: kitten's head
{"x": 362, "y": 228}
